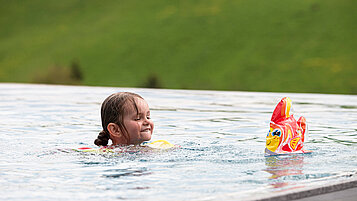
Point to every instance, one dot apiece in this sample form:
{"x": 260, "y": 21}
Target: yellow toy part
{"x": 273, "y": 139}
{"x": 144, "y": 147}
{"x": 159, "y": 144}
{"x": 92, "y": 150}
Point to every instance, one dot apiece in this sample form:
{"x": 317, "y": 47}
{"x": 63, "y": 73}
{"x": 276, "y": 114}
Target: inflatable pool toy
{"x": 145, "y": 146}
{"x": 286, "y": 135}
{"x": 159, "y": 144}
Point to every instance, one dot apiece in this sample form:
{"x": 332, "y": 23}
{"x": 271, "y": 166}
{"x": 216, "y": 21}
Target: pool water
{"x": 221, "y": 134}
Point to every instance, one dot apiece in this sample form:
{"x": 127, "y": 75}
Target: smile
{"x": 146, "y": 130}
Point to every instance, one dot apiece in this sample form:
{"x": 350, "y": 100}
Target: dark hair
{"x": 112, "y": 111}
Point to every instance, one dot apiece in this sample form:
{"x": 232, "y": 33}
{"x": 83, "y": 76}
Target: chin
{"x": 147, "y": 138}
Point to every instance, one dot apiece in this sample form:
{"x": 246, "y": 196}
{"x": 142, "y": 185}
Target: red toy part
{"x": 84, "y": 148}
{"x": 286, "y": 135}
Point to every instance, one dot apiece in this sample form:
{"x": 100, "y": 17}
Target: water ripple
{"x": 221, "y": 134}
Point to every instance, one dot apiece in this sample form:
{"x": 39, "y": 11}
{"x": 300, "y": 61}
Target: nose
{"x": 146, "y": 121}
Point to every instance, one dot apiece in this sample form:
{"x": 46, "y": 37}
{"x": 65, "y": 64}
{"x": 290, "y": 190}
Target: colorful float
{"x": 144, "y": 147}
{"x": 286, "y": 135}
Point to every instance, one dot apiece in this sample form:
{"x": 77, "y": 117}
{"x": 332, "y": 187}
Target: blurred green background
{"x": 249, "y": 45}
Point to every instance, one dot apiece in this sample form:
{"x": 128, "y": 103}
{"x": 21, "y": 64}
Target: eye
{"x": 276, "y": 132}
{"x": 268, "y": 133}
{"x": 148, "y": 117}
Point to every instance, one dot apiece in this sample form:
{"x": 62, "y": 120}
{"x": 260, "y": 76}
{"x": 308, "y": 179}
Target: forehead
{"x": 142, "y": 105}
{"x": 138, "y": 105}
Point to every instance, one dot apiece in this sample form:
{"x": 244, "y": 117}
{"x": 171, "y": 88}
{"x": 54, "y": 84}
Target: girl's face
{"x": 138, "y": 125}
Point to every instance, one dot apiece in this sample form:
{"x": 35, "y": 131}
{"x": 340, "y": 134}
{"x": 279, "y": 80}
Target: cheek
{"x": 135, "y": 126}
{"x": 278, "y": 139}
{"x": 132, "y": 127}
{"x": 152, "y": 126}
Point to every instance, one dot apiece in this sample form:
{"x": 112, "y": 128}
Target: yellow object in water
{"x": 155, "y": 145}
{"x": 159, "y": 144}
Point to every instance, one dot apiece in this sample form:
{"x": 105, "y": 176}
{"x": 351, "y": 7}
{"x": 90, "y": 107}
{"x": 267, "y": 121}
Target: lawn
{"x": 270, "y": 45}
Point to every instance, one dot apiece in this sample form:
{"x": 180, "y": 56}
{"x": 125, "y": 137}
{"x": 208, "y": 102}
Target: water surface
{"x": 221, "y": 134}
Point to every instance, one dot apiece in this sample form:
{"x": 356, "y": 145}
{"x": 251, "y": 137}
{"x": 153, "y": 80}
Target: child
{"x": 125, "y": 120}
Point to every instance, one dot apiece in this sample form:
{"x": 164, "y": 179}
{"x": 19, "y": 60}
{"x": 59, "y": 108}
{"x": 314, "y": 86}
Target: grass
{"x": 292, "y": 46}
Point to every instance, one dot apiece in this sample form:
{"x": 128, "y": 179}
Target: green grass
{"x": 270, "y": 45}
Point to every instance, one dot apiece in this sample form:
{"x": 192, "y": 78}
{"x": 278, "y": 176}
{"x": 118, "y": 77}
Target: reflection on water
{"x": 282, "y": 167}
{"x": 221, "y": 134}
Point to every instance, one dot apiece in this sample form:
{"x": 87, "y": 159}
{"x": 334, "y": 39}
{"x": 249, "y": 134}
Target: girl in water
{"x": 125, "y": 120}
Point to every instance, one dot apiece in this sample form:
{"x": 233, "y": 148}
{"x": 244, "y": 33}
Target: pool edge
{"x": 308, "y": 192}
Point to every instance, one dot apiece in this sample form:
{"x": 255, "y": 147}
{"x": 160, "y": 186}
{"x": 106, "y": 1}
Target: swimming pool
{"x": 221, "y": 134}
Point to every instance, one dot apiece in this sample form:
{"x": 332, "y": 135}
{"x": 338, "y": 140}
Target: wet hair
{"x": 113, "y": 110}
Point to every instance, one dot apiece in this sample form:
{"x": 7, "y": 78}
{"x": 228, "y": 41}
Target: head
{"x": 125, "y": 120}
{"x": 274, "y": 137}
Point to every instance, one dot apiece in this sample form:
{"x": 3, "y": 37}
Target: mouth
{"x": 146, "y": 130}
{"x": 268, "y": 143}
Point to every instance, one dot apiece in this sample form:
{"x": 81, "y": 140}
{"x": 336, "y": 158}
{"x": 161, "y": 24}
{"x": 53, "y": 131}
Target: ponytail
{"x": 102, "y": 139}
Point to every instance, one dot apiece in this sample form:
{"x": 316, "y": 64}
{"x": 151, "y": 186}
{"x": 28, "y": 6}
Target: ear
{"x": 116, "y": 134}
